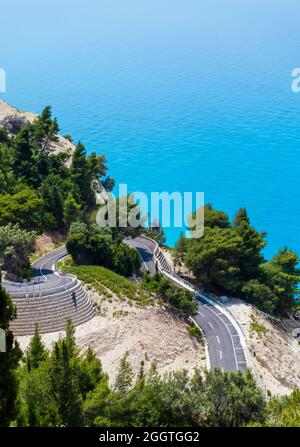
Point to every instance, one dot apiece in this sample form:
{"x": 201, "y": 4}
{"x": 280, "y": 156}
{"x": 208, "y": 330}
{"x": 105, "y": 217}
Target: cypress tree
{"x": 36, "y": 351}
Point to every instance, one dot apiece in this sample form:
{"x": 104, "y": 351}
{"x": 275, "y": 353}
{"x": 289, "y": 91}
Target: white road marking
{"x": 231, "y": 336}
{"x": 221, "y": 355}
{"x": 218, "y": 339}
{"x": 211, "y": 325}
{"x": 201, "y": 314}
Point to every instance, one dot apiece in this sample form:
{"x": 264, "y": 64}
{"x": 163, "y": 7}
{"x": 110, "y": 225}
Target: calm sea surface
{"x": 189, "y": 95}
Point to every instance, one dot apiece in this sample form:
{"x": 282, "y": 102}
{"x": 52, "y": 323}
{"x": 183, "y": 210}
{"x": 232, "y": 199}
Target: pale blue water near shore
{"x": 180, "y": 95}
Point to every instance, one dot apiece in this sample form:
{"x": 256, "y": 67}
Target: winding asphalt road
{"x": 45, "y": 277}
{"x": 223, "y": 340}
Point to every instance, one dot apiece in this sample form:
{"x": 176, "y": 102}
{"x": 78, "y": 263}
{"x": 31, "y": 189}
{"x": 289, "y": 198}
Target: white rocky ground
{"x": 147, "y": 334}
{"x": 274, "y": 356}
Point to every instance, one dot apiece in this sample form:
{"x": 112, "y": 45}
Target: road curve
{"x": 45, "y": 276}
{"x": 225, "y": 349}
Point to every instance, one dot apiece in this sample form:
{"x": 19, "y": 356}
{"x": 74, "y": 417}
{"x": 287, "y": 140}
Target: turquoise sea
{"x": 181, "y": 95}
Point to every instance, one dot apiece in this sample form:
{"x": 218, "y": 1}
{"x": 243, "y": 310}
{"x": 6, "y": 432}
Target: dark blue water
{"x": 180, "y": 95}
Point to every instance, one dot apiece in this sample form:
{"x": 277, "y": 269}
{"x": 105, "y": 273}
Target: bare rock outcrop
{"x": 13, "y": 120}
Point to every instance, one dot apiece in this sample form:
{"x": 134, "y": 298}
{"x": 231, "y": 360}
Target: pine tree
{"x": 71, "y": 210}
{"x": 253, "y": 242}
{"x": 25, "y": 162}
{"x": 179, "y": 252}
{"x": 83, "y": 173}
{"x": 43, "y": 131}
{"x": 124, "y": 377}
{"x": 70, "y": 339}
{"x": 65, "y": 385}
{"x": 37, "y": 351}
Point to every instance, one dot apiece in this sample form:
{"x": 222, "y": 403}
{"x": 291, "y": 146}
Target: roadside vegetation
{"x": 103, "y": 281}
{"x": 196, "y": 332}
{"x": 229, "y": 259}
{"x": 178, "y": 299}
{"x": 89, "y": 244}
{"x": 63, "y": 388}
{"x": 257, "y": 328}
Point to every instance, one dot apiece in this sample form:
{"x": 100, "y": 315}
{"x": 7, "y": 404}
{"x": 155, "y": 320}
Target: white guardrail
{"x": 208, "y": 298}
{"x": 36, "y": 286}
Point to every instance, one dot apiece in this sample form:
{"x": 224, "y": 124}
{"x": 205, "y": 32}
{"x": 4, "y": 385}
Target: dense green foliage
{"x": 105, "y": 281}
{"x": 284, "y": 411}
{"x": 62, "y": 388}
{"x": 179, "y": 299}
{"x": 92, "y": 245}
{"x": 229, "y": 259}
{"x": 16, "y": 247}
{"x": 41, "y": 189}
{"x": 8, "y": 362}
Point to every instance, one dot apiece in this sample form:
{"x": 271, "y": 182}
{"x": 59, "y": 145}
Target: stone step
{"x": 53, "y": 311}
{"x": 42, "y": 303}
{"x": 51, "y": 326}
{"x": 50, "y": 321}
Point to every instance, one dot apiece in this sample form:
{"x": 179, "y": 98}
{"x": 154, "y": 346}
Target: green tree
{"x": 23, "y": 208}
{"x": 253, "y": 242}
{"x": 44, "y": 130}
{"x": 25, "y": 165}
{"x": 83, "y": 172}
{"x": 179, "y": 251}
{"x": 36, "y": 352}
{"x": 229, "y": 399}
{"x": 212, "y": 218}
{"x": 260, "y": 295}
{"x": 214, "y": 258}
{"x": 16, "y": 247}
{"x": 36, "y": 403}
{"x": 53, "y": 202}
{"x": 90, "y": 372}
{"x": 7, "y": 178}
{"x": 125, "y": 260}
{"x": 65, "y": 385}
{"x": 8, "y": 361}
{"x": 71, "y": 210}
{"x": 70, "y": 340}
{"x": 281, "y": 274}
{"x": 124, "y": 377}
{"x": 284, "y": 411}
